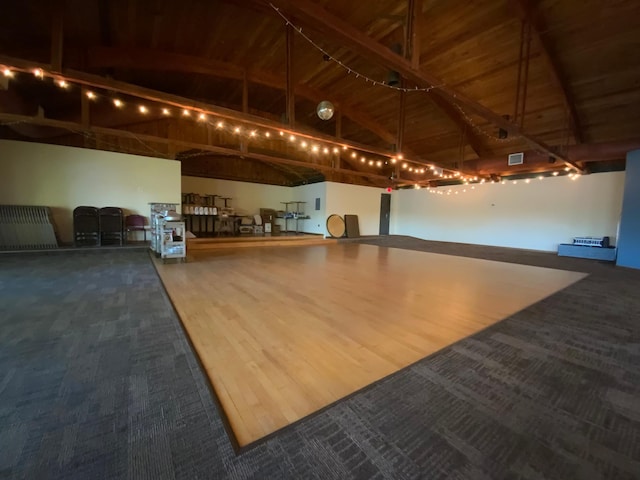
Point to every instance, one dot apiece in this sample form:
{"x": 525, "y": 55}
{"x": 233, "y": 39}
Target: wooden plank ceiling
{"x": 555, "y": 79}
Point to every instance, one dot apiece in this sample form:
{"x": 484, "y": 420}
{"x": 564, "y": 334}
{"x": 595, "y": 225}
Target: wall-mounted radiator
{"x": 24, "y": 227}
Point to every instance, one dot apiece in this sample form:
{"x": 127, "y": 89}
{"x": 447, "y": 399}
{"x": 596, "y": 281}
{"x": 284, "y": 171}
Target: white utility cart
{"x": 167, "y": 232}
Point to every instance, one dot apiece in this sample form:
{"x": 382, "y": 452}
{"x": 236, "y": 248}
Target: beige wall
{"x": 538, "y": 215}
{"x": 356, "y": 200}
{"x": 66, "y": 177}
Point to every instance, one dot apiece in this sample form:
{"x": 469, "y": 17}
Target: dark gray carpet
{"x": 98, "y": 381}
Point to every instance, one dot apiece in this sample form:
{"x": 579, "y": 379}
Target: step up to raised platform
{"x": 258, "y": 241}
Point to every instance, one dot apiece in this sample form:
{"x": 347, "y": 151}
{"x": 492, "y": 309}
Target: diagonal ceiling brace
{"x": 338, "y": 30}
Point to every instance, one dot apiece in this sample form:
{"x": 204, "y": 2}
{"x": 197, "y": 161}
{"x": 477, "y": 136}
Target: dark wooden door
{"x": 385, "y": 213}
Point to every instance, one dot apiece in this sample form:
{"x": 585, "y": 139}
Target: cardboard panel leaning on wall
{"x": 65, "y": 177}
{"x": 537, "y": 215}
{"x": 356, "y": 200}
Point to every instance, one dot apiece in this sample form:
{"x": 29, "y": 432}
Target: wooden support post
{"x": 412, "y": 47}
{"x": 291, "y": 107}
{"x": 57, "y": 38}
{"x": 245, "y": 93}
{"x": 401, "y": 116}
{"x": 85, "y": 104}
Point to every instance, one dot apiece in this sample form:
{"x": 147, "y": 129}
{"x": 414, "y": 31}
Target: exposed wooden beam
{"x": 57, "y": 36}
{"x": 95, "y": 81}
{"x": 526, "y": 11}
{"x": 148, "y": 59}
{"x": 290, "y": 91}
{"x": 245, "y": 93}
{"x": 536, "y": 161}
{"x": 402, "y": 106}
{"x": 338, "y": 30}
{"x": 412, "y": 46}
{"x": 75, "y": 127}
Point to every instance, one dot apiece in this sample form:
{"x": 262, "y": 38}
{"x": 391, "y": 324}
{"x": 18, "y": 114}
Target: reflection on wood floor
{"x": 283, "y": 332}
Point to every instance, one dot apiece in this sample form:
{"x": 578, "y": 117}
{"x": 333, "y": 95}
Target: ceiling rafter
{"x": 84, "y": 79}
{"x": 339, "y": 30}
{"x": 528, "y": 12}
{"x": 148, "y": 59}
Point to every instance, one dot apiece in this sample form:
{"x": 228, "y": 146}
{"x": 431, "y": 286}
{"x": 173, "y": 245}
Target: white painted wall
{"x": 308, "y": 193}
{"x": 357, "y": 200}
{"x": 247, "y": 198}
{"x": 65, "y": 177}
{"x": 537, "y": 216}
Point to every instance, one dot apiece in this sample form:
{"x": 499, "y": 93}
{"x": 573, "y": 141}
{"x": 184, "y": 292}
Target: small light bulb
{"x": 165, "y": 111}
{"x": 344, "y": 147}
{"x": 281, "y": 133}
{"x": 202, "y": 117}
{"x": 555, "y": 174}
{"x": 253, "y": 133}
{"x": 540, "y": 177}
{"x": 411, "y": 169}
{"x": 267, "y": 134}
{"x": 38, "y": 73}
{"x": 117, "y": 102}
{"x": 186, "y": 112}
{"x": 220, "y": 124}
{"x": 142, "y": 109}
{"x": 370, "y": 162}
{"x": 336, "y": 149}
{"x": 292, "y": 138}
{"x": 528, "y": 180}
{"x": 362, "y": 159}
{"x": 400, "y": 157}
{"x": 404, "y": 165}
{"x": 62, "y": 83}
{"x": 325, "y": 150}
{"x": 236, "y": 130}
{"x": 7, "y": 73}
{"x": 393, "y": 160}
{"x": 354, "y": 154}
{"x": 90, "y": 95}
{"x": 315, "y": 148}
{"x": 379, "y": 163}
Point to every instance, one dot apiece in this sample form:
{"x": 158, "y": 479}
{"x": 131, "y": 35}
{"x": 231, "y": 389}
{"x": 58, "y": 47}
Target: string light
{"x": 315, "y": 148}
{"x": 303, "y": 144}
{"x": 7, "y": 72}
{"x": 348, "y": 69}
{"x": 38, "y": 72}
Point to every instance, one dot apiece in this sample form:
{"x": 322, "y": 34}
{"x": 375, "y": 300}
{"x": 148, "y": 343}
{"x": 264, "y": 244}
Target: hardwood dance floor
{"x": 283, "y": 332}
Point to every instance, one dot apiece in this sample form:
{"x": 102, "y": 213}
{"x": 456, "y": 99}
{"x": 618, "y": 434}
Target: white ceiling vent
{"x": 516, "y": 159}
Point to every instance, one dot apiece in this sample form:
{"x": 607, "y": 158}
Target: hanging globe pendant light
{"x": 325, "y": 110}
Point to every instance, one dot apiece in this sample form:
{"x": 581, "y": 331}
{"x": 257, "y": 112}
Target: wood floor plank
{"x": 283, "y": 332}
